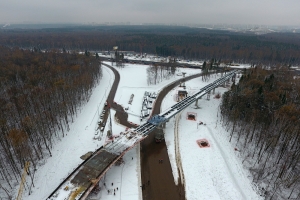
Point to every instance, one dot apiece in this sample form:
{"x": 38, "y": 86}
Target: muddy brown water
{"x": 162, "y": 185}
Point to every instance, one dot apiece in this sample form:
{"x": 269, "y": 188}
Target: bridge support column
{"x": 162, "y": 125}
{"x": 196, "y": 104}
{"x": 109, "y": 134}
{"x": 227, "y": 82}
{"x": 233, "y": 78}
{"x": 208, "y": 96}
{"x": 213, "y": 92}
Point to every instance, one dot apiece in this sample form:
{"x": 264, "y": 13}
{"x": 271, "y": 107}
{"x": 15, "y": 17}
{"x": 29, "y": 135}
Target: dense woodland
{"x": 189, "y": 43}
{"x": 40, "y": 94}
{"x": 263, "y": 113}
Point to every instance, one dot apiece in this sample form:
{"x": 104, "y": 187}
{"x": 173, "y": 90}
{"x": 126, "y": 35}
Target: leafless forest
{"x": 40, "y": 94}
{"x": 262, "y": 114}
{"x": 188, "y": 43}
{"x": 157, "y": 73}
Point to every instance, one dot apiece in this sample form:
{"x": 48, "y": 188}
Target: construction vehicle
{"x": 23, "y": 179}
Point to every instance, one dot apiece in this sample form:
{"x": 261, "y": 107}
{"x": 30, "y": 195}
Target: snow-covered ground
{"x": 241, "y": 66}
{"x": 209, "y": 173}
{"x": 78, "y": 141}
{"x": 125, "y": 177}
{"x": 134, "y": 81}
{"x": 153, "y": 58}
{"x": 81, "y": 137}
{"x": 215, "y": 172}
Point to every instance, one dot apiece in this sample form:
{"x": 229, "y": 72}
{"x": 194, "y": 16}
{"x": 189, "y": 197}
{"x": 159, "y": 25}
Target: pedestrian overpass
{"x": 83, "y": 179}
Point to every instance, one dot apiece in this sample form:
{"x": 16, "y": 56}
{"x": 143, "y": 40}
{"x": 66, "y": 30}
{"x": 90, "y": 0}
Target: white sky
{"x": 268, "y": 12}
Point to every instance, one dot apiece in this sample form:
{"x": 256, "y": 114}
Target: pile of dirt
{"x": 203, "y": 143}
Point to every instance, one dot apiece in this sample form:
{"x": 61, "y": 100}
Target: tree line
{"x": 40, "y": 95}
{"x": 188, "y": 43}
{"x": 156, "y": 73}
{"x": 262, "y": 113}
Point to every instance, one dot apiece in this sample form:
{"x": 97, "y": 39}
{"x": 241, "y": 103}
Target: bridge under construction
{"x": 82, "y": 181}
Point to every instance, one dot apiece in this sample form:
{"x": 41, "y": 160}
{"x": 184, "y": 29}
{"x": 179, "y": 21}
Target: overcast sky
{"x": 266, "y": 12}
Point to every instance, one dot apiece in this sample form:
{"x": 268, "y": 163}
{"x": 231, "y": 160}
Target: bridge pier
{"x": 228, "y": 82}
{"x": 213, "y": 92}
{"x": 196, "y": 103}
{"x": 162, "y": 125}
{"x": 183, "y": 84}
{"x": 208, "y": 96}
{"x": 233, "y": 78}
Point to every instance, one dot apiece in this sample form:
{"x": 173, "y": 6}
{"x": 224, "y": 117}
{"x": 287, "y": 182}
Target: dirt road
{"x": 162, "y": 185}
{"x": 120, "y": 113}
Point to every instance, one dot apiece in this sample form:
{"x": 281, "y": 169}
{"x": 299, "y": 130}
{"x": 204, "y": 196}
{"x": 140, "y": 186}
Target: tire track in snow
{"x": 235, "y": 181}
{"x": 177, "y": 150}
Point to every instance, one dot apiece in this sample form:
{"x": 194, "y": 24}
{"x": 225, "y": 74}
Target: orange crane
{"x": 23, "y": 178}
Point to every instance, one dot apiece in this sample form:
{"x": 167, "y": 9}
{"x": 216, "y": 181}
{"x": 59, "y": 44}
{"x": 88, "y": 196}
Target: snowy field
{"x": 215, "y": 172}
{"x": 153, "y": 58}
{"x": 81, "y": 137}
{"x": 241, "y": 66}
{"x": 79, "y": 140}
{"x": 125, "y": 179}
{"x": 134, "y": 81}
{"x": 127, "y": 176}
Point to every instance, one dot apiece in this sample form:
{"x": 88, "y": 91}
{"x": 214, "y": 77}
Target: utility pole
{"x": 109, "y": 133}
{"x": 183, "y": 74}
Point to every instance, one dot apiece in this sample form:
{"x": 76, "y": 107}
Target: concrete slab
{"x": 93, "y": 168}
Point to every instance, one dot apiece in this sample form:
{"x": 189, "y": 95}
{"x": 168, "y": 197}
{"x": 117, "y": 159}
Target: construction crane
{"x": 23, "y": 178}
